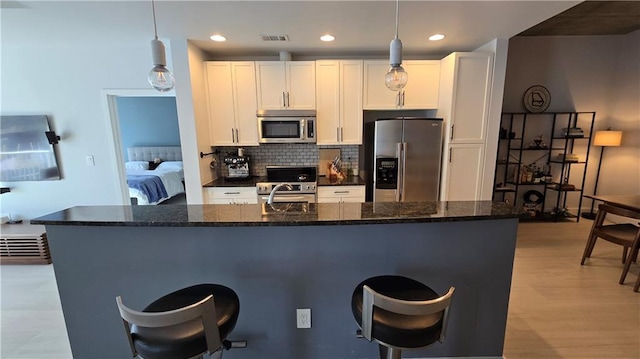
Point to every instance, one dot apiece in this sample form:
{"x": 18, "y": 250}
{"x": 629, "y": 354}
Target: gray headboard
{"x": 165, "y": 153}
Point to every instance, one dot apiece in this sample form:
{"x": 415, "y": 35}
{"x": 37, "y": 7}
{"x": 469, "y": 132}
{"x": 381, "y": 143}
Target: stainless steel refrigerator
{"x": 404, "y": 158}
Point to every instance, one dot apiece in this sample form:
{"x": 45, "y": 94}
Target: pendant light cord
{"x": 397, "y": 11}
{"x": 155, "y": 29}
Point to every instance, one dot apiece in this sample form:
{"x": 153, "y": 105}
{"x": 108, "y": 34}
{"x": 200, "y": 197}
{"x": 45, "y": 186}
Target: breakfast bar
{"x": 283, "y": 257}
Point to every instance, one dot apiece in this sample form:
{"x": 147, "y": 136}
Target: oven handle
{"x": 287, "y": 198}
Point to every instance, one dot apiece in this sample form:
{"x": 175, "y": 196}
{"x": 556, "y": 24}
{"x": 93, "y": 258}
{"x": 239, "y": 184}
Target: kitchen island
{"x": 282, "y": 258}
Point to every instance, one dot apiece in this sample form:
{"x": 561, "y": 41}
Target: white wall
{"x": 51, "y": 67}
{"x": 499, "y": 48}
{"x": 65, "y": 81}
{"x": 192, "y": 115}
{"x": 201, "y": 111}
{"x": 587, "y": 73}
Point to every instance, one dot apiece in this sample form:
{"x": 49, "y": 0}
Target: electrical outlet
{"x": 303, "y": 318}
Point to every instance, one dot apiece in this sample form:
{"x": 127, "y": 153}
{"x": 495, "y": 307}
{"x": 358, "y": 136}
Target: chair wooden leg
{"x": 627, "y": 265}
{"x": 625, "y": 251}
{"x": 591, "y": 242}
{"x": 637, "y": 286}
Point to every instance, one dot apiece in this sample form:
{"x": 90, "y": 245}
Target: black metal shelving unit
{"x": 517, "y": 149}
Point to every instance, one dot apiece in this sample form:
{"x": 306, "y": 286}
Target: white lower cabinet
{"x": 462, "y": 180}
{"x": 231, "y": 195}
{"x": 336, "y": 194}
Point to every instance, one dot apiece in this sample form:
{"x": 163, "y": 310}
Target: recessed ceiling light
{"x": 218, "y": 38}
{"x": 327, "y": 37}
{"x": 436, "y": 37}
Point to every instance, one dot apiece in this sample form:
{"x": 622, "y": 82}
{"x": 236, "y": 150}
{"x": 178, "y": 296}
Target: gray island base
{"x": 278, "y": 264}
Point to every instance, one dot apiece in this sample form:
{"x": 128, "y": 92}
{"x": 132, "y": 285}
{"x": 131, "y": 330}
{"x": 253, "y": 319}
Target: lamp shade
{"x": 607, "y": 138}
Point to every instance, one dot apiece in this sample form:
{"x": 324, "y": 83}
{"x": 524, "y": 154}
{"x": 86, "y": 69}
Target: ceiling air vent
{"x": 267, "y": 37}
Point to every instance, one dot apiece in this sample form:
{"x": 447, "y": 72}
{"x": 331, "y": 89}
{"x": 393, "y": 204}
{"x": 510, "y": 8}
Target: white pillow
{"x": 171, "y": 166}
{"x": 137, "y": 165}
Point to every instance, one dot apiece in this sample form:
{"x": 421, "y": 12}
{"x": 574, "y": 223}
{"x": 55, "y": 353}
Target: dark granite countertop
{"x": 348, "y": 181}
{"x": 252, "y": 215}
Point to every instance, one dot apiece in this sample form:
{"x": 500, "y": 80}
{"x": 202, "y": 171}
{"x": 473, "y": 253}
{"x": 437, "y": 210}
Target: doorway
{"x": 123, "y": 106}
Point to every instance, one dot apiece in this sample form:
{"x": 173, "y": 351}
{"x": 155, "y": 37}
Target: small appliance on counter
{"x": 237, "y": 166}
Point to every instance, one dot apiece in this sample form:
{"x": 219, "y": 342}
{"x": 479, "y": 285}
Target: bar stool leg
{"x": 389, "y": 353}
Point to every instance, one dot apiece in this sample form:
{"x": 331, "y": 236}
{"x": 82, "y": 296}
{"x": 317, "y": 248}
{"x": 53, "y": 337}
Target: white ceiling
{"x": 360, "y": 27}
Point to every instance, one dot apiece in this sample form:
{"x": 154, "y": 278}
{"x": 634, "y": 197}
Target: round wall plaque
{"x": 537, "y": 99}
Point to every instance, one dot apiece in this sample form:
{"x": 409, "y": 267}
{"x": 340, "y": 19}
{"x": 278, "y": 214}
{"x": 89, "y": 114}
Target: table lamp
{"x": 602, "y": 139}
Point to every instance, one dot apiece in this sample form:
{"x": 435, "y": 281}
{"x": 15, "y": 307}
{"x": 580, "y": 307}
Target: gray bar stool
{"x": 400, "y": 313}
{"x": 184, "y": 324}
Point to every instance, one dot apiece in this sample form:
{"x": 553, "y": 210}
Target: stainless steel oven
{"x": 286, "y": 126}
{"x": 303, "y": 181}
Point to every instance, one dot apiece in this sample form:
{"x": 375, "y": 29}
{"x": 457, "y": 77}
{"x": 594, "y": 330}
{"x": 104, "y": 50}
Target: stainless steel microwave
{"x": 287, "y": 126}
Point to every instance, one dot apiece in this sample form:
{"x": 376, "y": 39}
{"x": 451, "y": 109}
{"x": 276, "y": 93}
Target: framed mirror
{"x": 26, "y": 153}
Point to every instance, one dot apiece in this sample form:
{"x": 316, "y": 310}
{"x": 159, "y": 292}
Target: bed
{"x": 152, "y": 183}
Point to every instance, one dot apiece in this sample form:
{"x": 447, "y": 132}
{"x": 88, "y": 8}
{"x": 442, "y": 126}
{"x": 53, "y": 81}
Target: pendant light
{"x": 396, "y": 78}
{"x": 159, "y": 77}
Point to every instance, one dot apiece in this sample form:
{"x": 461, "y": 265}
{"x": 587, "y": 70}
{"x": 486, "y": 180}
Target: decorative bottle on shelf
{"x": 537, "y": 174}
{"x": 526, "y": 175}
{"x": 548, "y": 178}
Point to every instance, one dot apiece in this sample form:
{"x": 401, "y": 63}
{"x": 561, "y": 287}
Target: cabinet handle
{"x": 284, "y": 100}
{"x": 338, "y": 134}
{"x": 398, "y": 99}
{"x": 341, "y": 134}
{"x": 233, "y": 136}
{"x": 449, "y": 154}
{"x": 237, "y": 137}
{"x": 288, "y": 102}
{"x": 336, "y": 192}
{"x": 232, "y": 193}
{"x": 451, "y": 135}
{"x": 403, "y": 93}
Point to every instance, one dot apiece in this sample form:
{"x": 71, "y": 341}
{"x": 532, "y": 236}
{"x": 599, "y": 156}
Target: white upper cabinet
{"x": 339, "y": 102}
{"x": 424, "y": 81}
{"x": 465, "y": 91}
{"x": 231, "y": 94}
{"x": 286, "y": 85}
{"x": 421, "y": 91}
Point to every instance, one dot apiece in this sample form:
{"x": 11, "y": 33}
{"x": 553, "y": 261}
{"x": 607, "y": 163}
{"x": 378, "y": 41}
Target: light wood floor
{"x": 558, "y": 309}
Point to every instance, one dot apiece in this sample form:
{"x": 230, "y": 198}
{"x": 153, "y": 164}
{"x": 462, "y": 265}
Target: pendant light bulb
{"x": 159, "y": 77}
{"x": 396, "y": 78}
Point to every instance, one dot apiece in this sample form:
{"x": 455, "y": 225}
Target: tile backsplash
{"x": 289, "y": 154}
